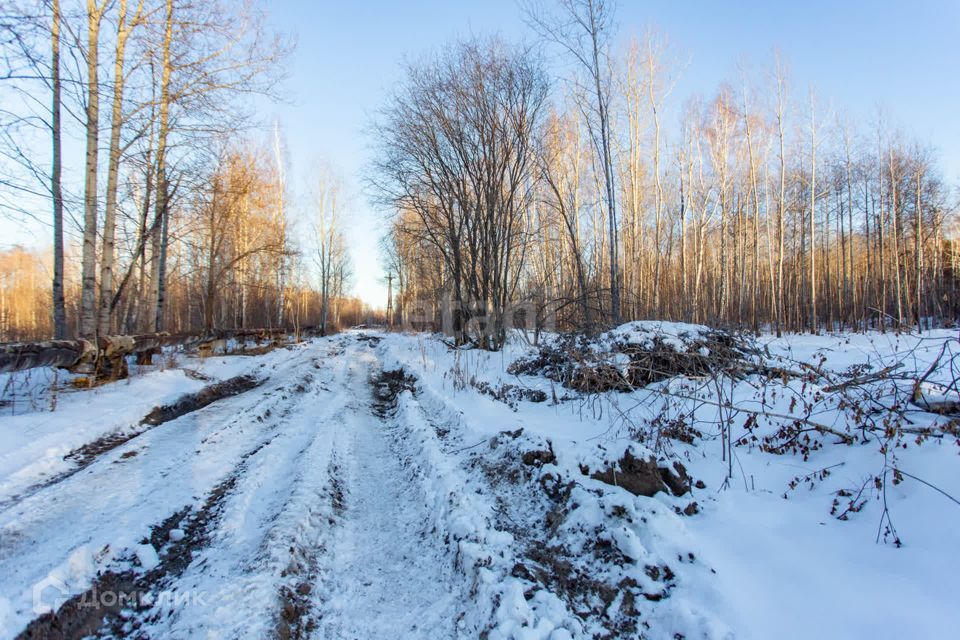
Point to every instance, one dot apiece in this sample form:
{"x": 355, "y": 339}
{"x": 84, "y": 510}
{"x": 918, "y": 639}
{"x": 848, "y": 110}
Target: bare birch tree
{"x": 584, "y": 28}
{"x": 88, "y": 299}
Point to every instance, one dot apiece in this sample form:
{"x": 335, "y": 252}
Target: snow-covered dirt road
{"x": 283, "y": 511}
{"x": 387, "y": 574}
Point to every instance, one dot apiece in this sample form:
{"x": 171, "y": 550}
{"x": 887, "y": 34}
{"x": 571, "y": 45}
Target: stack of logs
{"x": 106, "y": 357}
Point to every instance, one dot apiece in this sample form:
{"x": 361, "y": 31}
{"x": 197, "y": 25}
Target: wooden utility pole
{"x": 390, "y": 298}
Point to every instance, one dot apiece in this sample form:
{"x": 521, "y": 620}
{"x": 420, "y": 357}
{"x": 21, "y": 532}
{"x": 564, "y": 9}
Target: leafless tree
{"x": 457, "y": 148}
{"x": 331, "y": 255}
{"x": 584, "y": 28}
{"x": 56, "y": 176}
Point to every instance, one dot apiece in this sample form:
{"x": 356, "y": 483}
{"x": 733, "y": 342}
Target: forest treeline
{"x": 128, "y": 127}
{"x": 563, "y": 173}
{"x": 589, "y": 193}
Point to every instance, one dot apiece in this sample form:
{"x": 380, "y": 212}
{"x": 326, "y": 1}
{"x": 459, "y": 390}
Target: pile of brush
{"x": 635, "y": 355}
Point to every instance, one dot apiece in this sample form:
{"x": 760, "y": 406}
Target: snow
{"x": 444, "y": 512}
{"x": 776, "y": 559}
{"x": 809, "y": 577}
{"x": 471, "y": 417}
{"x": 34, "y": 440}
{"x": 642, "y": 333}
{"x": 110, "y": 506}
{"x": 400, "y": 582}
{"x": 147, "y": 556}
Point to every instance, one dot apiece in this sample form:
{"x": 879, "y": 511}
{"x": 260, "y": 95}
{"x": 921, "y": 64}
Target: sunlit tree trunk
{"x": 88, "y": 299}
{"x": 781, "y": 204}
{"x": 918, "y": 249}
{"x": 161, "y": 235}
{"x": 56, "y": 187}
{"x": 113, "y": 166}
{"x": 813, "y": 217}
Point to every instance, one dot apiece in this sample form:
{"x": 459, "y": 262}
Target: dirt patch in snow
{"x": 643, "y": 477}
{"x": 387, "y": 385}
{"x": 83, "y": 616}
{"x": 371, "y": 341}
{"x": 570, "y": 536}
{"x": 297, "y": 618}
{"x": 206, "y": 396}
{"x": 509, "y": 394}
{"x": 88, "y": 453}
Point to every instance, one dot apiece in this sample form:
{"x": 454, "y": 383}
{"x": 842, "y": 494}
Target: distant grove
{"x": 763, "y": 209}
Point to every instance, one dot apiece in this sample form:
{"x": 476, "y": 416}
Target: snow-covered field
{"x": 386, "y": 485}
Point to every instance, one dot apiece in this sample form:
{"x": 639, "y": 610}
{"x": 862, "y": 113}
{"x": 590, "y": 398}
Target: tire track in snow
{"x": 265, "y": 547}
{"x": 388, "y": 574}
{"x": 77, "y": 619}
{"x": 298, "y": 617}
{"x": 86, "y": 455}
{"x": 110, "y": 505}
{"x": 318, "y": 519}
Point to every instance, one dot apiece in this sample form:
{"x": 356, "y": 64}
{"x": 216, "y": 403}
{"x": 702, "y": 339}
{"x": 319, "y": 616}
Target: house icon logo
{"x": 49, "y": 594}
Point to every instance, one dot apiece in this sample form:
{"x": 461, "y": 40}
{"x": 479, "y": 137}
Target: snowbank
{"x": 802, "y": 504}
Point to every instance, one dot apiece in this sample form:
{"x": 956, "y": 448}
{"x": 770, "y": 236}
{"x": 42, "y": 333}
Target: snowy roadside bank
{"x": 771, "y": 530}
{"x": 556, "y": 553}
{"x": 42, "y": 425}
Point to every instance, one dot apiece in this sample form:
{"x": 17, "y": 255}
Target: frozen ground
{"x": 387, "y": 486}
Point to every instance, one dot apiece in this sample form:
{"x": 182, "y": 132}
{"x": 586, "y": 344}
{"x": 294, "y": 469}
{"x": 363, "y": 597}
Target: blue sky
{"x": 858, "y": 54}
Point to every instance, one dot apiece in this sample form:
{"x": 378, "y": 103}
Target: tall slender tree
{"x": 125, "y": 26}
{"x": 56, "y": 177}
{"x": 584, "y": 29}
{"x": 88, "y": 299}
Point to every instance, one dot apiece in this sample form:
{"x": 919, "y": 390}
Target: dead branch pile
{"x": 637, "y": 354}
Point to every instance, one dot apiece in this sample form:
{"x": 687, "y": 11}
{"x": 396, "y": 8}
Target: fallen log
{"x": 52, "y": 353}
{"x": 936, "y": 398}
{"x": 108, "y": 353}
